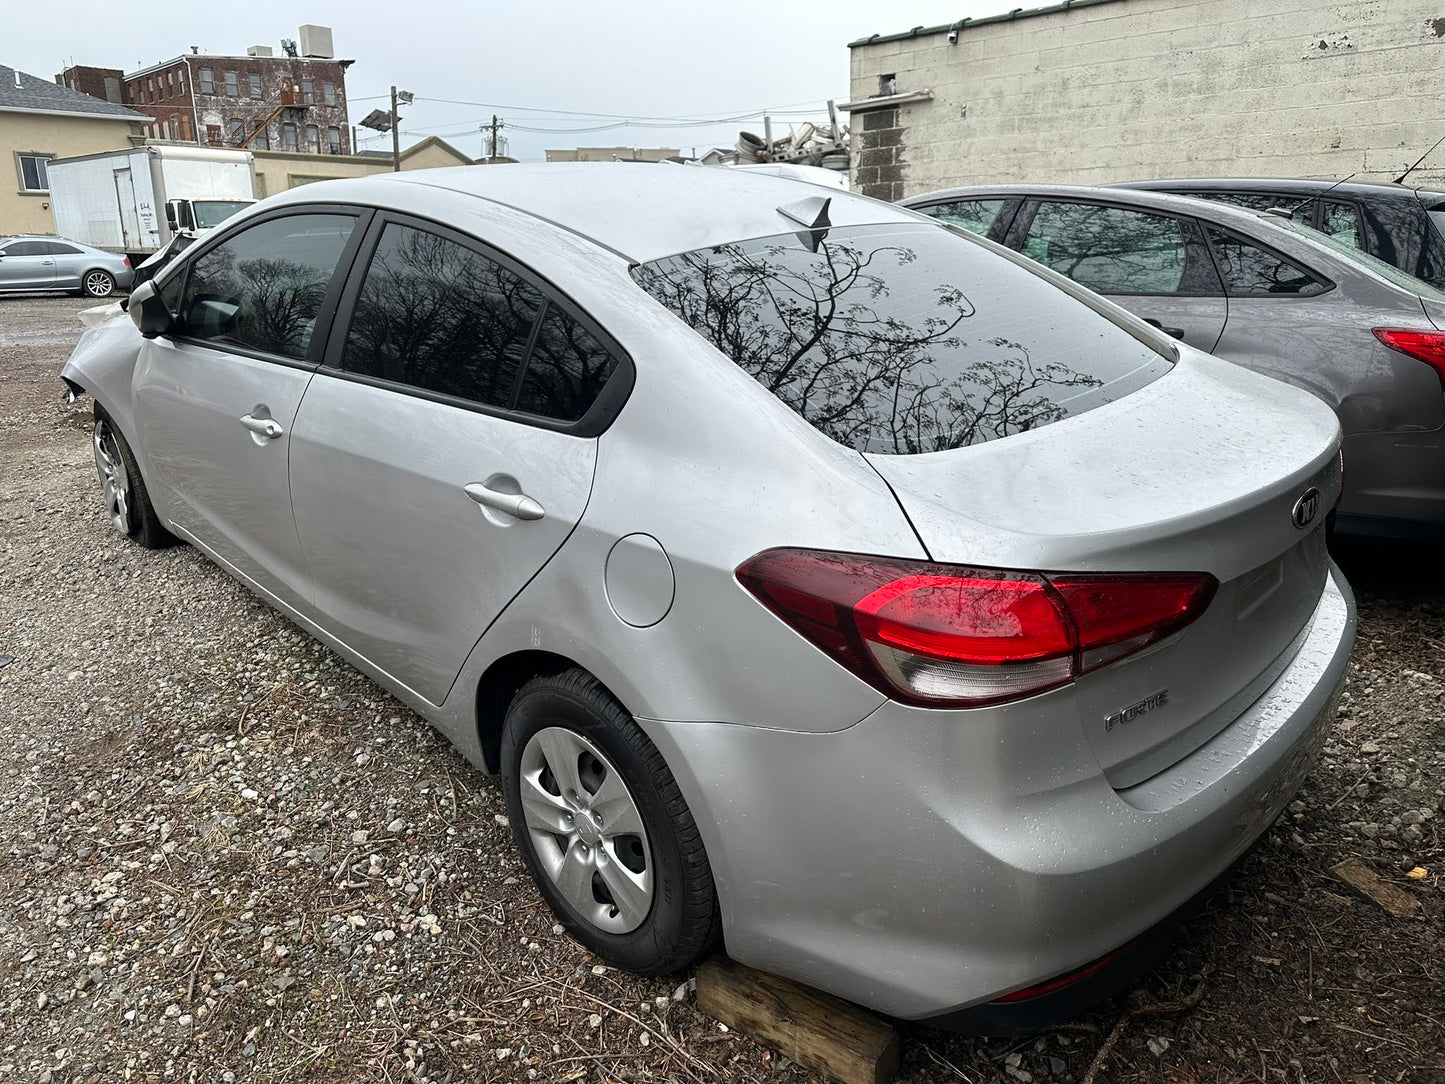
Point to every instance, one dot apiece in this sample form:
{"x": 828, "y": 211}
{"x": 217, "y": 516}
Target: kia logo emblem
{"x": 1306, "y": 508}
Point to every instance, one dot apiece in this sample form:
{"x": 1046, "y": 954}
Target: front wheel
{"x": 98, "y": 283}
{"x": 127, "y": 502}
{"x": 604, "y": 828}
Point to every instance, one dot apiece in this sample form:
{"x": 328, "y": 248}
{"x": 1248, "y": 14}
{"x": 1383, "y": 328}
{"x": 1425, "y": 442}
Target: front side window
{"x": 32, "y": 172}
{"x": 974, "y": 215}
{"x": 208, "y": 81}
{"x": 1249, "y": 270}
{"x": 26, "y": 248}
{"x": 436, "y": 315}
{"x": 1113, "y": 250}
{"x": 903, "y": 338}
{"x": 263, "y": 288}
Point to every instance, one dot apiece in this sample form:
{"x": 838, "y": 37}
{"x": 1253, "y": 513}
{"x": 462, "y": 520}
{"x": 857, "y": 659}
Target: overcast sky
{"x": 635, "y": 60}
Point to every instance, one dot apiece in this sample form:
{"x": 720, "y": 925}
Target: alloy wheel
{"x": 99, "y": 284}
{"x": 114, "y": 480}
{"x": 586, "y": 829}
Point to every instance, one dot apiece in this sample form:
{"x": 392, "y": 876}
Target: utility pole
{"x": 396, "y": 136}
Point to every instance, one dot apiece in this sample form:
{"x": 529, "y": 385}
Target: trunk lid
{"x": 1201, "y": 471}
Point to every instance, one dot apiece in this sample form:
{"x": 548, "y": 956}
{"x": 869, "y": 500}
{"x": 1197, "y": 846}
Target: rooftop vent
{"x": 316, "y": 41}
{"x": 259, "y": 50}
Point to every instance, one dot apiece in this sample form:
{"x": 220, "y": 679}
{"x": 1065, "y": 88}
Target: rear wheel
{"x": 127, "y": 502}
{"x": 604, "y": 828}
{"x": 97, "y": 283}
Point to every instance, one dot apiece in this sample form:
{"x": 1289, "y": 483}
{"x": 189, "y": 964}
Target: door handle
{"x": 267, "y": 427}
{"x": 514, "y": 504}
{"x": 1177, "y": 332}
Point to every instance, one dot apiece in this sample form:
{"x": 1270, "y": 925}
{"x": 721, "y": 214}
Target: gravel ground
{"x": 229, "y": 857}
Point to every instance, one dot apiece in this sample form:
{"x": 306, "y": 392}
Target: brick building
{"x": 285, "y": 103}
{"x": 1092, "y": 91}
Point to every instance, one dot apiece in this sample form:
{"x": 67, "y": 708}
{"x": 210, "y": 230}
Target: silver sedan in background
{"x": 53, "y": 263}
{"x": 815, "y": 577}
{"x": 1269, "y": 293}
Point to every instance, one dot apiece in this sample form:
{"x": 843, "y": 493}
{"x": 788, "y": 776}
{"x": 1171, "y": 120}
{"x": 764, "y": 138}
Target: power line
{"x": 797, "y": 108}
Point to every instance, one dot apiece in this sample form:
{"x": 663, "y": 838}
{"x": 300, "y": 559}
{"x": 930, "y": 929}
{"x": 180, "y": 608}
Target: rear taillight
{"x": 940, "y": 635}
{"x": 125, "y": 260}
{"x": 1426, "y": 346}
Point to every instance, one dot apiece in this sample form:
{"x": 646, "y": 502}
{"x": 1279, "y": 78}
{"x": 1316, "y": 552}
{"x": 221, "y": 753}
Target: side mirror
{"x": 148, "y": 311}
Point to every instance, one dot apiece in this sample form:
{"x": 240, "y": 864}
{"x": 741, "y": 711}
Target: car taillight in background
{"x": 940, "y": 635}
{"x": 125, "y": 260}
{"x": 1426, "y": 346}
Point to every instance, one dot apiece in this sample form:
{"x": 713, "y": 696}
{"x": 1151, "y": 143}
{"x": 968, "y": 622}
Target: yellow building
{"x": 40, "y": 120}
{"x": 277, "y": 171}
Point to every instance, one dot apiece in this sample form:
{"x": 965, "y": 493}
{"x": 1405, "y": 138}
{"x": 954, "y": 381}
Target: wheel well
{"x": 496, "y": 689}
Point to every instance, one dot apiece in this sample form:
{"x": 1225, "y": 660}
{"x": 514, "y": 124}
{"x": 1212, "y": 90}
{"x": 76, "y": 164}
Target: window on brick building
{"x": 213, "y": 134}
{"x": 262, "y": 141}
{"x": 333, "y": 139}
{"x": 313, "y": 139}
{"x": 208, "y": 81}
{"x": 170, "y": 84}
{"x": 238, "y": 131}
{"x": 233, "y": 85}
{"x": 308, "y": 91}
{"x": 328, "y": 93}
{"x": 255, "y": 80}
{"x": 288, "y": 137}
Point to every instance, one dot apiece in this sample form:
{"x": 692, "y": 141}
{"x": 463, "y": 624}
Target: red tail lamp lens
{"x": 1426, "y": 346}
{"x": 942, "y": 635}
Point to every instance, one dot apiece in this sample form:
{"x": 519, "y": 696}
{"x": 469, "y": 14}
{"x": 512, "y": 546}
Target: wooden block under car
{"x": 814, "y": 1029}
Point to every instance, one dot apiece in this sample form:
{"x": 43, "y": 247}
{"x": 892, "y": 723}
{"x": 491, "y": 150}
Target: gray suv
{"x": 53, "y": 263}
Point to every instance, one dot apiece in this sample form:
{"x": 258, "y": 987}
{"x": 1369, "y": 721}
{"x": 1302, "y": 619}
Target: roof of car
{"x": 1276, "y": 184}
{"x": 641, "y": 211}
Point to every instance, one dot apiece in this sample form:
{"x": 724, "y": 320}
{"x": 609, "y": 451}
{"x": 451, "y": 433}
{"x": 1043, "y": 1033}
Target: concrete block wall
{"x": 1139, "y": 89}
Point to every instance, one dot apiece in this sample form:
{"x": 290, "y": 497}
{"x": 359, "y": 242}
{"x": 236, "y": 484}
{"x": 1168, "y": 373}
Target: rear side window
{"x": 262, "y": 288}
{"x": 567, "y": 370}
{"x": 1253, "y": 201}
{"x": 55, "y": 248}
{"x": 974, "y": 215}
{"x": 1342, "y": 222}
{"x": 439, "y": 316}
{"x": 902, "y": 338}
{"x": 1113, "y": 250}
{"x": 1251, "y": 270}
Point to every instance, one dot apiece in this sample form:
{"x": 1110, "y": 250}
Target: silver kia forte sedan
{"x": 815, "y": 577}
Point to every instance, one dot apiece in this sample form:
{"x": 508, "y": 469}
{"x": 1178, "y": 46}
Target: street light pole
{"x": 395, "y": 136}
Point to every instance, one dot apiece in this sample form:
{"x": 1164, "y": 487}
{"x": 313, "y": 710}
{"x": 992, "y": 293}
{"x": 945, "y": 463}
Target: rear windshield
{"x": 1387, "y": 271}
{"x": 902, "y": 338}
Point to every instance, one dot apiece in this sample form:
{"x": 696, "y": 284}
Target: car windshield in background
{"x": 1347, "y": 251}
{"x": 902, "y": 338}
{"x": 212, "y": 212}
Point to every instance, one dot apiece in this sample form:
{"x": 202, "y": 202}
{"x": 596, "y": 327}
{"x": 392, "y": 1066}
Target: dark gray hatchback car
{"x": 1270, "y": 294}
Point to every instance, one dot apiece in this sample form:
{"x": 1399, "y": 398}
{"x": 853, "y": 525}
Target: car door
{"x": 70, "y": 264}
{"x": 215, "y": 399}
{"x": 446, "y": 450}
{"x": 1155, "y": 265}
{"x": 26, "y": 265}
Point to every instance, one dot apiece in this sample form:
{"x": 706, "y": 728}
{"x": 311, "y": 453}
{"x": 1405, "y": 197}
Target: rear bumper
{"x": 923, "y": 862}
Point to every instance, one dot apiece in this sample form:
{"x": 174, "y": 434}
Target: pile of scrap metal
{"x": 808, "y": 146}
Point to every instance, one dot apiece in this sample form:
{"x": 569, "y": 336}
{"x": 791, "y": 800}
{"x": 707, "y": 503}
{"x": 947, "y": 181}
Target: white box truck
{"x": 135, "y": 201}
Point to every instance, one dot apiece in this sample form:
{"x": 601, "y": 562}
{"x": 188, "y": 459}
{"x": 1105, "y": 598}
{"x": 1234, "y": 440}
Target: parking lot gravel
{"x": 227, "y": 856}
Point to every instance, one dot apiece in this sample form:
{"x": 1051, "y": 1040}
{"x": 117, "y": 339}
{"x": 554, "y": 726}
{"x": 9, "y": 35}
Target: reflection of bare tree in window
{"x": 567, "y": 370}
{"x": 439, "y": 316}
{"x": 1110, "y": 249}
{"x": 827, "y": 335}
{"x": 284, "y": 298}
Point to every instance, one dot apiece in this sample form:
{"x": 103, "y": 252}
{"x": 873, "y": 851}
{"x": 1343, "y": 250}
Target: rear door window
{"x": 974, "y": 215}
{"x": 902, "y": 338}
{"x": 1342, "y": 222}
{"x": 1114, "y": 250}
{"x": 262, "y": 289}
{"x": 440, "y": 316}
{"x": 1251, "y": 270}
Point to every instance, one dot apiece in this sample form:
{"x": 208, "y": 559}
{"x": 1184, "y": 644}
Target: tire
{"x": 126, "y": 499}
{"x": 626, "y": 840}
{"x": 97, "y": 283}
